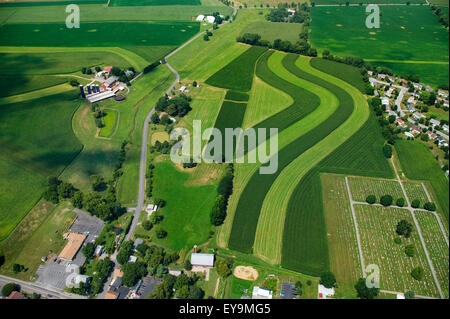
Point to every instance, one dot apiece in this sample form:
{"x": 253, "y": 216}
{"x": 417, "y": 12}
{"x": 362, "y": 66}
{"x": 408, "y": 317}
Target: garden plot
{"x": 377, "y": 232}
{"x": 436, "y": 246}
{"x": 361, "y": 187}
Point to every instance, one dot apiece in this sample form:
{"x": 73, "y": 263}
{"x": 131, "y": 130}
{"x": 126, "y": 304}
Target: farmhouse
{"x": 75, "y": 241}
{"x": 261, "y": 293}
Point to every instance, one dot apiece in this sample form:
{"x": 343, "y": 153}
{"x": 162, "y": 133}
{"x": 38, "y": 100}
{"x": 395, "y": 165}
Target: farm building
{"x": 261, "y": 293}
{"x": 325, "y": 292}
{"x": 200, "y": 18}
{"x": 109, "y": 82}
{"x": 210, "y": 19}
{"x": 75, "y": 241}
{"x": 202, "y": 260}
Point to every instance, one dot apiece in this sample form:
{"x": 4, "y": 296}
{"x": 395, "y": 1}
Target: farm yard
{"x": 395, "y": 42}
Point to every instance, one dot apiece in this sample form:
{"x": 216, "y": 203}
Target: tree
{"x": 154, "y": 118}
{"x": 16, "y": 268}
{"x": 430, "y": 206}
{"x": 404, "y": 228}
{"x": 409, "y": 250}
{"x": 371, "y": 199}
{"x": 219, "y": 211}
{"x": 183, "y": 292}
{"x": 415, "y": 203}
{"x": 387, "y": 151}
{"x": 161, "y": 233}
{"x": 400, "y": 202}
{"x": 125, "y": 252}
{"x": 88, "y": 250}
{"x": 196, "y": 293}
{"x": 223, "y": 268}
{"x": 2, "y": 258}
{"x": 147, "y": 225}
{"x": 98, "y": 183}
{"x": 363, "y": 291}
{"x": 187, "y": 265}
{"x": 328, "y": 279}
{"x": 410, "y": 295}
{"x": 9, "y": 288}
{"x": 161, "y": 270}
{"x": 398, "y": 240}
{"x": 386, "y": 200}
{"x": 418, "y": 273}
{"x": 298, "y": 288}
{"x": 132, "y": 272}
{"x": 77, "y": 199}
{"x": 66, "y": 190}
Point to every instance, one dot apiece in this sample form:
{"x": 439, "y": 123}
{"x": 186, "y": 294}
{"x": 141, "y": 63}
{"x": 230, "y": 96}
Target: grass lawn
{"x": 109, "y": 122}
{"x": 160, "y": 136}
{"x": 402, "y": 27}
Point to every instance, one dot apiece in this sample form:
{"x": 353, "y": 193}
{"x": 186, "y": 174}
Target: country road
{"x": 143, "y": 160}
{"x": 45, "y": 292}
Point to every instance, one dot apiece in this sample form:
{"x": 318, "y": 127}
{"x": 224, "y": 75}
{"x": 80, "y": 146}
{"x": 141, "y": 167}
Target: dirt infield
{"x": 245, "y": 272}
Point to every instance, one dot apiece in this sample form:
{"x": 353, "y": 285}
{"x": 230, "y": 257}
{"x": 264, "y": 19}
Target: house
{"x": 381, "y": 76}
{"x": 442, "y": 93}
{"x": 111, "y": 294}
{"x": 400, "y": 123}
{"x": 389, "y": 92}
{"x": 401, "y": 296}
{"x": 291, "y": 12}
{"x": 99, "y": 250}
{"x": 129, "y": 73}
{"x": 132, "y": 259}
{"x": 417, "y": 86}
{"x": 261, "y": 293}
{"x": 412, "y": 100}
{"x": 411, "y": 108}
{"x": 107, "y": 69}
{"x": 152, "y": 208}
{"x": 370, "y": 73}
{"x": 202, "y": 260}
{"x": 210, "y": 19}
{"x": 325, "y": 292}
{"x": 16, "y": 295}
{"x": 431, "y": 135}
{"x": 385, "y": 101}
{"x": 116, "y": 283}
{"x": 409, "y": 134}
{"x": 434, "y": 122}
{"x": 415, "y": 129}
{"x": 391, "y": 78}
{"x": 429, "y": 88}
{"x": 445, "y": 128}
{"x": 75, "y": 241}
{"x": 182, "y": 89}
{"x": 200, "y": 18}
{"x": 419, "y": 115}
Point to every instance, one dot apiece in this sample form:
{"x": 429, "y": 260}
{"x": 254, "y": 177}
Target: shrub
{"x": 415, "y": 203}
{"x": 387, "y": 151}
{"x": 417, "y": 273}
{"x": 371, "y": 199}
{"x": 161, "y": 233}
{"x": 386, "y": 200}
{"x": 223, "y": 268}
{"x": 9, "y": 288}
{"x": 410, "y": 295}
{"x": 404, "y": 228}
{"x": 400, "y": 202}
{"x": 397, "y": 240}
{"x": 147, "y": 225}
{"x": 328, "y": 279}
{"x": 409, "y": 250}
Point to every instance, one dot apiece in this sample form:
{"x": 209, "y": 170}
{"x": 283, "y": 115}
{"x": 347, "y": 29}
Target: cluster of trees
{"x": 301, "y": 47}
{"x": 104, "y": 207}
{"x": 164, "y": 120}
{"x": 350, "y": 60}
{"x": 149, "y": 180}
{"x": 58, "y": 190}
{"x": 207, "y": 35}
{"x": 9, "y": 288}
{"x": 385, "y": 200}
{"x": 100, "y": 271}
{"x": 163, "y": 148}
{"x": 150, "y": 67}
{"x": 224, "y": 190}
{"x": 223, "y": 267}
{"x": 404, "y": 228}
{"x": 387, "y": 149}
{"x": 176, "y": 106}
{"x": 98, "y": 113}
{"x": 88, "y": 70}
{"x": 389, "y": 132}
{"x": 281, "y": 14}
{"x": 364, "y": 292}
{"x": 443, "y": 17}
{"x": 123, "y": 77}
{"x": 429, "y": 98}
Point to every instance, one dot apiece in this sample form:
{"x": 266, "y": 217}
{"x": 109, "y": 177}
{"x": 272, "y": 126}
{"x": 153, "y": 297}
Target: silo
{"x": 89, "y": 89}
{"x": 82, "y": 91}
{"x": 98, "y": 88}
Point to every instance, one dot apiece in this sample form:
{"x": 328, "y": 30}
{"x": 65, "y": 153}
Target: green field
{"x": 98, "y": 34}
{"x": 271, "y": 31}
{"x": 238, "y": 74}
{"x": 18, "y": 84}
{"x": 343, "y": 2}
{"x": 236, "y": 96}
{"x": 118, "y": 3}
{"x": 396, "y": 41}
{"x": 30, "y": 3}
{"x": 30, "y": 154}
{"x": 424, "y": 167}
{"x": 361, "y": 187}
{"x": 109, "y": 122}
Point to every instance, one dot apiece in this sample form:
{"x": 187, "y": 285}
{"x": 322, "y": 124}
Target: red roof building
{"x": 107, "y": 69}
{"x": 16, "y": 295}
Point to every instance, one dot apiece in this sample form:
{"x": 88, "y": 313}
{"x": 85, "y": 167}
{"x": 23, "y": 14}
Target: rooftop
{"x": 198, "y": 259}
{"x": 73, "y": 245}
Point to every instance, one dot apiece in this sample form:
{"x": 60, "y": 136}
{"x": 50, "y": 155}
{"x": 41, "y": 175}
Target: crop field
{"x": 342, "y": 71}
{"x": 402, "y": 27}
{"x": 30, "y": 153}
{"x": 343, "y": 247}
{"x": 186, "y": 214}
{"x": 31, "y": 3}
{"x": 237, "y": 96}
{"x": 377, "y": 232}
{"x": 437, "y": 247}
{"x": 238, "y": 74}
{"x": 120, "y": 34}
{"x": 271, "y": 31}
{"x": 17, "y": 84}
{"x": 425, "y": 167}
{"x": 109, "y": 122}
{"x": 126, "y": 3}
{"x": 361, "y": 187}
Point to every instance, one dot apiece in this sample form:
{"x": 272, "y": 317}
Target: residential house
{"x": 261, "y": 293}
{"x": 415, "y": 129}
{"x": 400, "y": 123}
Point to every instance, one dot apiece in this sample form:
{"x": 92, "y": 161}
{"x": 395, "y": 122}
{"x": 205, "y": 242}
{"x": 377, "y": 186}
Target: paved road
{"x": 143, "y": 160}
{"x": 37, "y": 288}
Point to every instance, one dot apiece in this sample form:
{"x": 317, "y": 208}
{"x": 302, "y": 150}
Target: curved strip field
{"x": 248, "y": 210}
{"x": 268, "y": 239}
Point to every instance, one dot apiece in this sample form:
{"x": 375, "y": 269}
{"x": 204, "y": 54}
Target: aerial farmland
{"x": 211, "y": 149}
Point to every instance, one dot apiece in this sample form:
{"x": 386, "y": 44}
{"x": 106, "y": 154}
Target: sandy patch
{"x": 402, "y": 27}
{"x": 339, "y": 25}
{"x": 372, "y": 32}
{"x": 245, "y": 272}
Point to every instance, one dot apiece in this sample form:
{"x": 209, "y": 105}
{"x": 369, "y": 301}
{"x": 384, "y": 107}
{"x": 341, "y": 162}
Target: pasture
{"x": 110, "y": 34}
{"x": 19, "y": 84}
{"x": 271, "y": 31}
{"x": 110, "y": 122}
{"x": 401, "y": 29}
{"x": 377, "y": 232}
{"x": 424, "y": 167}
{"x": 238, "y": 74}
